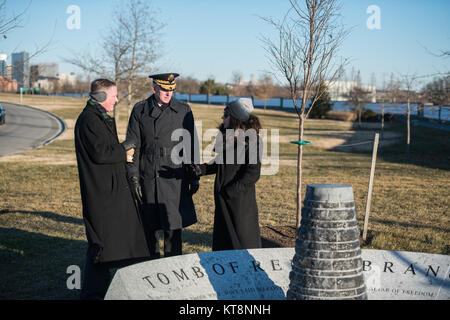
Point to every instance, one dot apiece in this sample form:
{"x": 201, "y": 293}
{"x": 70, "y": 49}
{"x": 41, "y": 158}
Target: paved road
{"x": 27, "y": 128}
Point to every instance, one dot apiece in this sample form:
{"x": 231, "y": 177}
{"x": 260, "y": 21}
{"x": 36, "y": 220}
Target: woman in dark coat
{"x": 236, "y": 224}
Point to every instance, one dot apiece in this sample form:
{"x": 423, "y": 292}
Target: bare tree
{"x": 393, "y": 92}
{"x": 265, "y": 89}
{"x": 309, "y": 37}
{"x": 438, "y": 91}
{"x": 10, "y": 22}
{"x": 236, "y": 81}
{"x": 409, "y": 81}
{"x": 357, "y": 97}
{"x": 383, "y": 98}
{"x": 110, "y": 63}
{"x": 188, "y": 85}
{"x": 129, "y": 49}
{"x": 142, "y": 28}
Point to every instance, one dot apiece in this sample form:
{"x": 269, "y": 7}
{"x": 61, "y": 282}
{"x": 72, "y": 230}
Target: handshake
{"x": 193, "y": 171}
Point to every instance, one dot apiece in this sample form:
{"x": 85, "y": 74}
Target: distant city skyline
{"x": 206, "y": 39}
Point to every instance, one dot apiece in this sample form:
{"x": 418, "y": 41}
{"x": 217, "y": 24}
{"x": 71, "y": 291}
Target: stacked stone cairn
{"x": 327, "y": 264}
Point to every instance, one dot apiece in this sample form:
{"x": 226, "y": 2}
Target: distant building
{"x": 34, "y": 74}
{"x": 43, "y": 71}
{"x": 67, "y": 78}
{"x": 7, "y": 85}
{"x": 9, "y": 71}
{"x": 21, "y": 69}
{"x": 48, "y": 70}
{"x": 3, "y": 64}
{"x": 339, "y": 89}
{"x": 45, "y": 76}
{"x": 46, "y": 84}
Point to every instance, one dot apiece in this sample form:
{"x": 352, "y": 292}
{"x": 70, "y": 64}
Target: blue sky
{"x": 205, "y": 38}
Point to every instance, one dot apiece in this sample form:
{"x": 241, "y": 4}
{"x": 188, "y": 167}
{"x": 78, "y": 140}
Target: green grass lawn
{"x": 42, "y": 231}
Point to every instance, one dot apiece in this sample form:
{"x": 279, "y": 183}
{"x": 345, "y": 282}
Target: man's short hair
{"x": 99, "y": 84}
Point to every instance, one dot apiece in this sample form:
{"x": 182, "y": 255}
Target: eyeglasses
{"x": 226, "y": 113}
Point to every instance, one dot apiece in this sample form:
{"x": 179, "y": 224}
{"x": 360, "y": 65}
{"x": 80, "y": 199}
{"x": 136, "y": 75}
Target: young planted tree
{"x": 409, "y": 81}
{"x": 304, "y": 55}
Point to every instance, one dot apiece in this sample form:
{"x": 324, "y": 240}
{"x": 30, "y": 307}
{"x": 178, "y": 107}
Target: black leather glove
{"x": 129, "y": 144}
{"x": 193, "y": 187}
{"x": 136, "y": 189}
{"x": 192, "y": 172}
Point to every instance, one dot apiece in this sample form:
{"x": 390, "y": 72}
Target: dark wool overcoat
{"x": 236, "y": 223}
{"x": 157, "y": 132}
{"x": 113, "y": 224}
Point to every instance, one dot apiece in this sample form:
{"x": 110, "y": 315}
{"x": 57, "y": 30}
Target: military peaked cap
{"x": 165, "y": 80}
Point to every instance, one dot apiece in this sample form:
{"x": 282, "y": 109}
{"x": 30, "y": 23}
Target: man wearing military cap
{"x": 158, "y": 183}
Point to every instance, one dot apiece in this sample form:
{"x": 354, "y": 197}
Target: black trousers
{"x": 154, "y": 218}
{"x": 97, "y": 276}
{"x": 172, "y": 242}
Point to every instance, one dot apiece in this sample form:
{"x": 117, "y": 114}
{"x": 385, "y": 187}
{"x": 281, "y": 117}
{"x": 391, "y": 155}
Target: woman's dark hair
{"x": 235, "y": 124}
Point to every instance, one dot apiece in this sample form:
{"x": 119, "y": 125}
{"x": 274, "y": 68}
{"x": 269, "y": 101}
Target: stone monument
{"x": 327, "y": 262}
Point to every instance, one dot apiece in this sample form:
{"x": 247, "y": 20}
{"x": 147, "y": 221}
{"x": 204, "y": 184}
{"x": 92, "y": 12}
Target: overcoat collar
{"x": 101, "y": 112}
{"x": 155, "y": 111}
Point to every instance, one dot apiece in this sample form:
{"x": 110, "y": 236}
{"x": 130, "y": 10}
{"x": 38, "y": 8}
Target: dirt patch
{"x": 285, "y": 237}
{"x": 278, "y": 237}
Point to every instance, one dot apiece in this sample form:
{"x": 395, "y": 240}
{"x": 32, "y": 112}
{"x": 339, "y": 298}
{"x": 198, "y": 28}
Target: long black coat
{"x": 167, "y": 204}
{"x": 112, "y": 221}
{"x": 236, "y": 223}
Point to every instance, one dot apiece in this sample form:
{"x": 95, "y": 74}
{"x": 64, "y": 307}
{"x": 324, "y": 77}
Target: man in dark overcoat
{"x": 113, "y": 226}
{"x": 159, "y": 125}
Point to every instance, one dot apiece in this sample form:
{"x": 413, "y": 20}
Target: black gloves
{"x": 136, "y": 189}
{"x": 192, "y": 172}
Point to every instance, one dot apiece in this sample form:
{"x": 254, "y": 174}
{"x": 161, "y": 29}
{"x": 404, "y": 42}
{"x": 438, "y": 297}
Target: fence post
{"x": 207, "y": 98}
{"x": 369, "y": 194}
{"x": 281, "y": 102}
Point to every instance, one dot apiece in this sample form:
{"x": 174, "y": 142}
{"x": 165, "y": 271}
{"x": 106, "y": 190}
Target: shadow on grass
{"x": 34, "y": 265}
{"x": 197, "y": 238}
{"x": 429, "y": 148}
{"x": 45, "y": 214}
